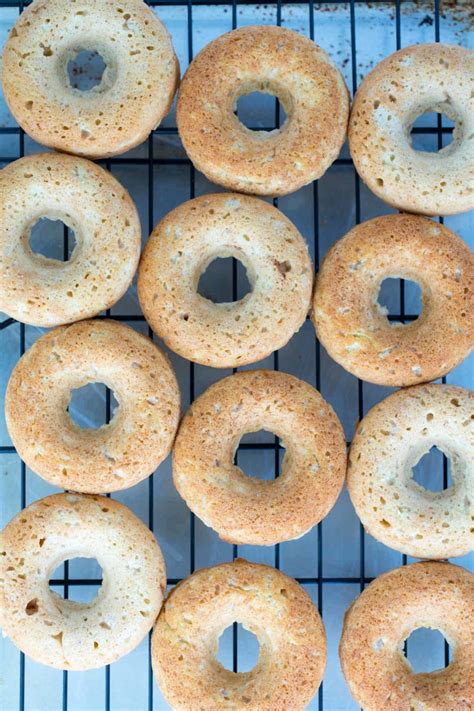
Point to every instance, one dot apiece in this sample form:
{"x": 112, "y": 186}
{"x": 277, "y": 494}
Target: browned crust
{"x": 278, "y": 266}
{"x": 115, "y": 456}
{"x": 268, "y": 603}
{"x": 276, "y": 60}
{"x": 244, "y": 509}
{"x": 131, "y": 39}
{"x": 356, "y": 332}
{"x": 428, "y": 594}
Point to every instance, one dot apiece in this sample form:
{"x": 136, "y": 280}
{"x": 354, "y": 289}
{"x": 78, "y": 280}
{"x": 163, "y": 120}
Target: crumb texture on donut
{"x": 137, "y": 87}
{"x": 182, "y": 246}
{"x": 73, "y": 635}
{"x": 273, "y": 606}
{"x": 272, "y": 60}
{"x": 405, "y": 85}
{"x": 389, "y": 442}
{"x": 248, "y": 510}
{"x": 354, "y": 328}
{"x": 90, "y": 201}
{"x": 429, "y": 594}
{"x": 117, "y": 455}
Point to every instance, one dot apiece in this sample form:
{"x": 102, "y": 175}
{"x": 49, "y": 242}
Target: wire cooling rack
{"x": 337, "y": 559}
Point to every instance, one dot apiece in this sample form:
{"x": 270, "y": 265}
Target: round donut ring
{"x": 137, "y": 87}
{"x": 271, "y": 60}
{"x": 74, "y": 635}
{"x": 429, "y": 594}
{"x": 269, "y": 604}
{"x": 405, "y": 85}
{"x": 46, "y": 292}
{"x": 353, "y": 327}
{"x": 114, "y": 456}
{"x": 245, "y": 509}
{"x": 389, "y": 441}
{"x": 278, "y": 266}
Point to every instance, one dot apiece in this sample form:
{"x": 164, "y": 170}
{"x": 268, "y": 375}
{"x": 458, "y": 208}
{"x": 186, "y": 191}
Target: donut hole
{"x": 433, "y": 470}
{"x": 260, "y": 111}
{"x": 86, "y": 578}
{"x": 400, "y": 298}
{"x": 224, "y": 280}
{"x": 255, "y": 455}
{"x": 425, "y": 650}
{"x": 238, "y": 649}
{"x": 85, "y": 69}
{"x": 92, "y": 406}
{"x": 53, "y": 239}
{"x": 424, "y": 132}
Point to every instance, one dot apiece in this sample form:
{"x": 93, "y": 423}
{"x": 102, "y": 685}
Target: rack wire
{"x": 150, "y": 162}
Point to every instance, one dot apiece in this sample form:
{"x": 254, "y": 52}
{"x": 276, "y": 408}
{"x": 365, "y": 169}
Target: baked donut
{"x": 269, "y": 604}
{"x": 74, "y": 635}
{"x": 405, "y": 85}
{"x": 389, "y": 441}
{"x": 245, "y": 509}
{"x": 430, "y": 594}
{"x": 114, "y": 456}
{"x": 353, "y": 327}
{"x": 46, "y": 292}
{"x": 271, "y": 60}
{"x": 137, "y": 86}
{"x": 278, "y": 266}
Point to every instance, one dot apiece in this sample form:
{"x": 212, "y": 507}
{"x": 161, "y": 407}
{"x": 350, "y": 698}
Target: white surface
{"x": 375, "y": 38}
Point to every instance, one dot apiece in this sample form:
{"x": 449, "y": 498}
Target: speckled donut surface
{"x": 47, "y": 292}
{"x": 389, "y": 441}
{"x": 354, "y": 328}
{"x": 244, "y": 509}
{"x": 273, "y": 607}
{"x": 137, "y": 86}
{"x": 272, "y": 60}
{"x": 429, "y": 594}
{"x": 279, "y": 270}
{"x": 405, "y": 85}
{"x": 63, "y": 633}
{"x": 116, "y": 455}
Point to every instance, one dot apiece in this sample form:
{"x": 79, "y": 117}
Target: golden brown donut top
{"x": 429, "y": 594}
{"x": 354, "y": 328}
{"x": 278, "y": 266}
{"x": 116, "y": 455}
{"x": 137, "y": 86}
{"x": 88, "y": 199}
{"x": 390, "y": 440}
{"x": 245, "y": 509}
{"x": 63, "y": 633}
{"x": 405, "y": 85}
{"x": 272, "y": 60}
{"x": 269, "y": 604}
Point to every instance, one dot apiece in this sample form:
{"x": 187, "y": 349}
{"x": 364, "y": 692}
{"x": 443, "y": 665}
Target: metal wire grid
{"x": 319, "y": 579}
